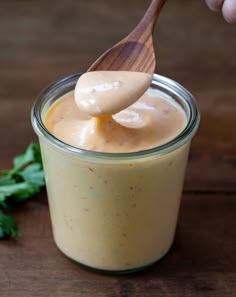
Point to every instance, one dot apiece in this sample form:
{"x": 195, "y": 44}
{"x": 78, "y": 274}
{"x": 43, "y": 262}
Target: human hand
{"x": 227, "y": 7}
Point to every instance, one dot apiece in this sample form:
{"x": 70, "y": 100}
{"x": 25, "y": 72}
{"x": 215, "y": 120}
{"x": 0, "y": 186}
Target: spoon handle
{"x": 147, "y": 24}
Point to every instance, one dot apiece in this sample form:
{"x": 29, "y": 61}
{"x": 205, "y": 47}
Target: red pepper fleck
{"x": 166, "y": 110}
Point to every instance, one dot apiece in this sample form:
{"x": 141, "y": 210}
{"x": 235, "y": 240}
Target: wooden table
{"x": 42, "y": 41}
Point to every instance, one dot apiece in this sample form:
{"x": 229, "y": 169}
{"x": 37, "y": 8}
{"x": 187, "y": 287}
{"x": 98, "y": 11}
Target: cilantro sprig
{"x": 18, "y": 184}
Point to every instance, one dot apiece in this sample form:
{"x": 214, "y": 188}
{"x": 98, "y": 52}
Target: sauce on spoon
{"x": 102, "y": 93}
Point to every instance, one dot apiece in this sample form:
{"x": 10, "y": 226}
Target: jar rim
{"x": 166, "y": 83}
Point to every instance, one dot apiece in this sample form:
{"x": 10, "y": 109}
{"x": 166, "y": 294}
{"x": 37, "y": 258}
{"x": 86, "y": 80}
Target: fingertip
{"x": 214, "y": 5}
{"x": 229, "y": 11}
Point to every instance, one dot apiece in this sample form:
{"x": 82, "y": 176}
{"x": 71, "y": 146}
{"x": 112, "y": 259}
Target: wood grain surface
{"x": 42, "y": 41}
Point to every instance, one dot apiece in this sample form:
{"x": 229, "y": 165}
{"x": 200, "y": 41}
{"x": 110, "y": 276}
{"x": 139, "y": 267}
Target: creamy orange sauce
{"x": 152, "y": 121}
{"x": 100, "y": 93}
{"x": 119, "y": 215}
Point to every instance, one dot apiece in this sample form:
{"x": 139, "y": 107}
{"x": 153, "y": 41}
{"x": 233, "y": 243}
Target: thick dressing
{"x": 118, "y": 214}
{"x": 152, "y": 121}
{"x": 100, "y": 93}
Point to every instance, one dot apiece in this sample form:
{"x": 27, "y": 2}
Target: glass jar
{"x": 114, "y": 212}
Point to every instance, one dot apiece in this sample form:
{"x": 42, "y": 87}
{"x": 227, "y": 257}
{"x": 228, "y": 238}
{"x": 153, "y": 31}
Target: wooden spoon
{"x": 135, "y": 52}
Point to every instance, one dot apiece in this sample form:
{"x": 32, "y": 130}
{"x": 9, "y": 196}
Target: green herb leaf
{"x": 18, "y": 192}
{"x": 32, "y": 154}
{"x": 7, "y": 180}
{"x": 33, "y": 174}
{"x": 8, "y": 227}
{"x": 20, "y": 183}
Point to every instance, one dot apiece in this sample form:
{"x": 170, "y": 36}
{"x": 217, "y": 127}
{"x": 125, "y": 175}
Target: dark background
{"x": 42, "y": 41}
